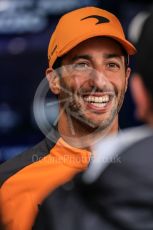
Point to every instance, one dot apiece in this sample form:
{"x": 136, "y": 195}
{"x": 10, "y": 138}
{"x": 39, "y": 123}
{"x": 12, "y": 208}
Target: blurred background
{"x": 25, "y": 30}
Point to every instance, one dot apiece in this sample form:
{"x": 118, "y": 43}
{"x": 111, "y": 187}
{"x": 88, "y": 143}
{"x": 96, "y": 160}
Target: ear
{"x": 127, "y": 75}
{"x": 140, "y": 96}
{"x": 53, "y": 80}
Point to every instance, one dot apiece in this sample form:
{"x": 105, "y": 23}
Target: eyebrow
{"x": 112, "y": 55}
{"x": 84, "y": 56}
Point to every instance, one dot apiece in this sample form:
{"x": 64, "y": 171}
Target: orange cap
{"x": 81, "y": 24}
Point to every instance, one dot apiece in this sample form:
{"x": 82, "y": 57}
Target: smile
{"x": 99, "y": 101}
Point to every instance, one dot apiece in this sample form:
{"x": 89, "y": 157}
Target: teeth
{"x": 99, "y": 104}
{"x": 96, "y": 99}
{"x": 93, "y": 99}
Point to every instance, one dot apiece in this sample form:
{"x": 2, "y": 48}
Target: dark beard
{"x": 74, "y": 112}
{"x": 78, "y": 115}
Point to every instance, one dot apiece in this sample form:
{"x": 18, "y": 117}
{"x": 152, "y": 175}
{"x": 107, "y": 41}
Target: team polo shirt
{"x": 28, "y": 178}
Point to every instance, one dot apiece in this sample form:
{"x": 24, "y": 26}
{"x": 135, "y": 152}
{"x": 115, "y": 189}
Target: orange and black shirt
{"x": 28, "y": 178}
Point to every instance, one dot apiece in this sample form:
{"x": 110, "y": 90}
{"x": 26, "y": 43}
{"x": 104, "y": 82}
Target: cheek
{"x": 76, "y": 82}
{"x": 122, "y": 83}
{"x": 119, "y": 85}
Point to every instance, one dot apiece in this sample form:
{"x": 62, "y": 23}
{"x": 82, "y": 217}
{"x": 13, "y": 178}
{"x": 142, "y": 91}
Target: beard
{"x": 77, "y": 113}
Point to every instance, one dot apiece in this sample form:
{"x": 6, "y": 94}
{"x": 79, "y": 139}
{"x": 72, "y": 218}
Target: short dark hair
{"x": 126, "y": 57}
{"x": 58, "y": 63}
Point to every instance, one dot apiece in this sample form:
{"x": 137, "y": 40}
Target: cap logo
{"x": 55, "y": 47}
{"x": 99, "y": 18}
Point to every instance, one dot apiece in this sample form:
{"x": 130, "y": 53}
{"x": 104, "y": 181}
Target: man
{"x": 116, "y": 192}
{"x": 88, "y": 68}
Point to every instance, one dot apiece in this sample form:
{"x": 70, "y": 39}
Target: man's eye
{"x": 113, "y": 65}
{"x": 81, "y": 65}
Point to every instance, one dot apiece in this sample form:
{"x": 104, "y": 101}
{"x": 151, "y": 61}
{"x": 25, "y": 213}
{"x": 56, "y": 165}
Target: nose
{"x": 98, "y": 78}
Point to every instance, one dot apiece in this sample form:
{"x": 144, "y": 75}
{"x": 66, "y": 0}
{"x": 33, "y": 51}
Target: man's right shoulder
{"x": 14, "y": 165}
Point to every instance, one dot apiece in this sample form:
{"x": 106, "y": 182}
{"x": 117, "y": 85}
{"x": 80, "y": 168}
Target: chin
{"x": 102, "y": 123}
{"x": 94, "y": 124}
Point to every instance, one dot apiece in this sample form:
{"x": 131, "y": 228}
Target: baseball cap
{"x": 82, "y": 24}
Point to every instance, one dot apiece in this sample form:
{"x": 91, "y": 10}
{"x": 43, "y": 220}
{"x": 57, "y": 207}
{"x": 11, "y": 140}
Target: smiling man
{"x": 93, "y": 78}
{"x": 88, "y": 71}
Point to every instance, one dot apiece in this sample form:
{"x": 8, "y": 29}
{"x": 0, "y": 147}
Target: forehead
{"x": 96, "y": 45}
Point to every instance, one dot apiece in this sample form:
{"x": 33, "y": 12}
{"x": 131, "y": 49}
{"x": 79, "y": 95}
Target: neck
{"x": 78, "y": 135}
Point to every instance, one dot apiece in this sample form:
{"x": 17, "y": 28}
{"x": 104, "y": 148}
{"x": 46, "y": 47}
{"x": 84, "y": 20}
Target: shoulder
{"x": 133, "y": 166}
{"x": 140, "y": 151}
{"x": 14, "y": 165}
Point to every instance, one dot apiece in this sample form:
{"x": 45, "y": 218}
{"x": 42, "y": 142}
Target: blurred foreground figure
{"x": 116, "y": 192}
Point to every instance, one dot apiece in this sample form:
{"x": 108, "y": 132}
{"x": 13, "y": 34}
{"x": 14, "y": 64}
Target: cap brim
{"x": 130, "y": 49}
